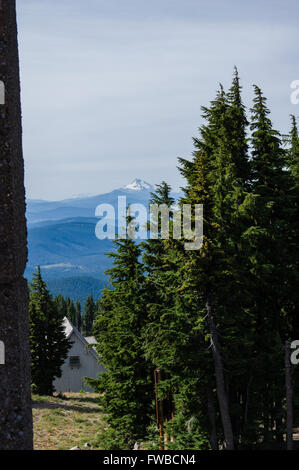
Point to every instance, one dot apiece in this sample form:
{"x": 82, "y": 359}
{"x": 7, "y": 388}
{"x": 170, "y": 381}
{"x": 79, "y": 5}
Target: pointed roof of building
{"x": 69, "y": 329}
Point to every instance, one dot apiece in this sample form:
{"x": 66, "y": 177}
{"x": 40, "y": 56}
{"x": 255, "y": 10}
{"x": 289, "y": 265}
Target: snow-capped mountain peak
{"x": 139, "y": 185}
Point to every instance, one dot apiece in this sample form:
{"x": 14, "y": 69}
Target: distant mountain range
{"x": 43, "y": 211}
{"x": 61, "y": 239}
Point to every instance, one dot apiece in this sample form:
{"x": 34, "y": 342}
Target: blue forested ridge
{"x": 61, "y": 239}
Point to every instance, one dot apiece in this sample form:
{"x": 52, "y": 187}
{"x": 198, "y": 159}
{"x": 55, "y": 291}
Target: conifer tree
{"x": 89, "y": 316}
{"x": 127, "y": 383}
{"x": 216, "y": 322}
{"x": 293, "y": 154}
{"x": 269, "y": 255}
{"x": 219, "y": 178}
{"x": 170, "y": 340}
{"x": 78, "y": 316}
{"x": 71, "y": 311}
{"x": 49, "y": 345}
{"x": 60, "y": 305}
{"x": 211, "y": 183}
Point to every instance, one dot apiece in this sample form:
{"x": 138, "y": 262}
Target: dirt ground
{"x": 60, "y": 424}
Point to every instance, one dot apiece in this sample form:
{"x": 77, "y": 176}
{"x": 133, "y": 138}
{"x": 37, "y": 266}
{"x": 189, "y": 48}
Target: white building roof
{"x": 91, "y": 339}
{"x": 69, "y": 329}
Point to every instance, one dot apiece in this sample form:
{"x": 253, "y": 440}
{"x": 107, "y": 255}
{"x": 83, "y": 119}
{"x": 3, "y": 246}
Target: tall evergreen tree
{"x": 215, "y": 322}
{"x": 294, "y": 149}
{"x": 89, "y": 316}
{"x": 49, "y": 345}
{"x": 269, "y": 255}
{"x": 211, "y": 181}
{"x": 78, "y": 315}
{"x": 60, "y": 305}
{"x": 127, "y": 383}
{"x": 71, "y": 311}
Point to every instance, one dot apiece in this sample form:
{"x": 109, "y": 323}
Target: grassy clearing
{"x": 60, "y": 424}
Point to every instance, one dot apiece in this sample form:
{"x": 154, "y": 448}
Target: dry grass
{"x": 60, "y": 424}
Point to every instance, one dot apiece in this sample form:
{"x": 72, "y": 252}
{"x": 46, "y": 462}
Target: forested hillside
{"x": 62, "y": 240}
{"x": 76, "y": 288}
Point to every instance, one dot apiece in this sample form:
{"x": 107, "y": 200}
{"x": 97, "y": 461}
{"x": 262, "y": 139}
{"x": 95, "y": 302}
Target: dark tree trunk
{"x": 212, "y": 418}
{"x": 278, "y": 412}
{"x": 289, "y": 397}
{"x": 247, "y": 404}
{"x": 221, "y": 392}
{"x": 15, "y": 400}
{"x": 279, "y": 427}
{"x": 266, "y": 416}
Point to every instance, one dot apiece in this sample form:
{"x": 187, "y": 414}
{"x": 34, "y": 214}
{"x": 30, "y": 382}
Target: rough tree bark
{"x": 289, "y": 397}
{"x": 220, "y": 383}
{"x": 15, "y": 401}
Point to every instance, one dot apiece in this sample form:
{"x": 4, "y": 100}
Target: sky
{"x": 112, "y": 89}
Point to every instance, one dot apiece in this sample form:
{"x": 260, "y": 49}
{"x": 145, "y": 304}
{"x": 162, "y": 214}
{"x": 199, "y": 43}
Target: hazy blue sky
{"x": 112, "y": 89}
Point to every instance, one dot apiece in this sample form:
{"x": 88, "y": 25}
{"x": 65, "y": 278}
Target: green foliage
{"x": 66, "y": 308}
{"x": 78, "y": 317}
{"x": 89, "y": 316}
{"x": 49, "y": 345}
{"x": 127, "y": 383}
{"x": 213, "y": 321}
{"x": 110, "y": 438}
{"x": 293, "y": 152}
